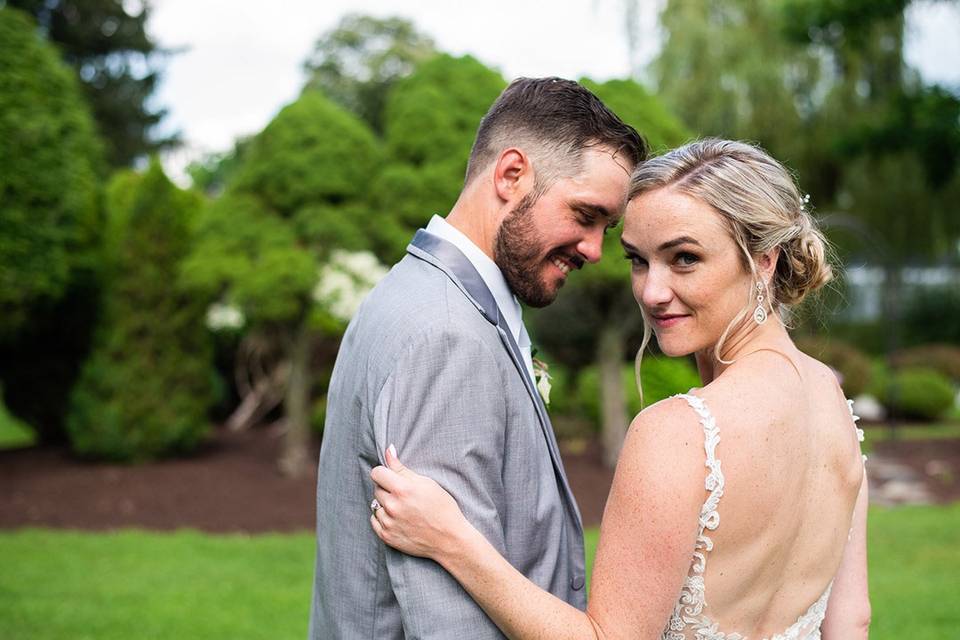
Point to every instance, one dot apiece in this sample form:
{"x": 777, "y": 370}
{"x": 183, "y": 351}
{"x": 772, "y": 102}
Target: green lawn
{"x": 135, "y": 584}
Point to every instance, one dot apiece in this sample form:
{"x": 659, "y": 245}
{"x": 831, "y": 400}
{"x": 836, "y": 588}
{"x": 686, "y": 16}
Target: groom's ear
{"x": 512, "y": 175}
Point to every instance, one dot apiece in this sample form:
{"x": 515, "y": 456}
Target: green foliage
{"x": 931, "y": 316}
{"x": 661, "y": 378}
{"x": 726, "y": 70}
{"x": 146, "y": 387}
{"x": 14, "y": 433}
{"x": 118, "y": 65}
{"x": 942, "y": 358}
{"x": 299, "y": 192}
{"x": 49, "y": 210}
{"x": 854, "y": 367}
{"x": 430, "y": 121}
{"x": 313, "y": 152}
{"x": 357, "y": 63}
{"x": 643, "y": 110}
{"x": 920, "y": 393}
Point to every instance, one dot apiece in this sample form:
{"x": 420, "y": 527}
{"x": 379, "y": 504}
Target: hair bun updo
{"x": 803, "y": 266}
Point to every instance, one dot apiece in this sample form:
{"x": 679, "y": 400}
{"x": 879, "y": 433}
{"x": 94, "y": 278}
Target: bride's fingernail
{"x": 393, "y": 450}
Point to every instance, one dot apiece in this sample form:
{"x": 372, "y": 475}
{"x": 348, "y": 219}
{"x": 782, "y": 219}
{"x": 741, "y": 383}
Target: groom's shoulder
{"x": 416, "y": 298}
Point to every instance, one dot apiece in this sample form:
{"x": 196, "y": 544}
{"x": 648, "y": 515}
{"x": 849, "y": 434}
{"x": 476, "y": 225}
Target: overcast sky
{"x": 242, "y": 58}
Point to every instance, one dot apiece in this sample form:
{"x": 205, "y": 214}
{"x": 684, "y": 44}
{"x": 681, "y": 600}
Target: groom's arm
{"x": 443, "y": 408}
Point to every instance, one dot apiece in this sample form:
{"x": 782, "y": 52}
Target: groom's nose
{"x": 590, "y": 246}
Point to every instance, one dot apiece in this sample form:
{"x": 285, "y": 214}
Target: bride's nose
{"x": 655, "y": 290}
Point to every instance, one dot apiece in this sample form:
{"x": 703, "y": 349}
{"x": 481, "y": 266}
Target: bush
{"x": 14, "y": 433}
{"x": 145, "y": 389}
{"x": 918, "y": 393}
{"x": 49, "y": 159}
{"x": 661, "y": 378}
{"x": 854, "y": 367}
{"x": 942, "y": 358}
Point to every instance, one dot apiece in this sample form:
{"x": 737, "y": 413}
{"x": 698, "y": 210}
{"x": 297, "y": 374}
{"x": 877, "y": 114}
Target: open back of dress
{"x": 691, "y": 617}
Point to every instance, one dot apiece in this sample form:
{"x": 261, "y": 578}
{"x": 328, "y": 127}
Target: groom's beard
{"x": 520, "y": 255}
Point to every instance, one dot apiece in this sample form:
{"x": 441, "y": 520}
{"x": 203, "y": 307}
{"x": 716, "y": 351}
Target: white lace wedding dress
{"x": 688, "y": 621}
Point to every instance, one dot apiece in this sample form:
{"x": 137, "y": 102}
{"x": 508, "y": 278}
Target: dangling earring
{"x": 760, "y": 314}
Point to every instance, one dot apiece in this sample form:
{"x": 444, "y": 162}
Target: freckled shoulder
{"x": 666, "y": 437}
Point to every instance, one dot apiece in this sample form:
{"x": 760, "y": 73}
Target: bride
{"x": 738, "y": 510}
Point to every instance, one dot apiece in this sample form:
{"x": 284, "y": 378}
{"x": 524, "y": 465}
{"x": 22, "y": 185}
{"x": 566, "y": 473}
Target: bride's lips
{"x": 667, "y": 320}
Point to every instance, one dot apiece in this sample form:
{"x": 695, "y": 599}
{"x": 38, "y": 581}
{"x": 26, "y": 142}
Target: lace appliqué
{"x": 689, "y": 608}
{"x": 856, "y": 419}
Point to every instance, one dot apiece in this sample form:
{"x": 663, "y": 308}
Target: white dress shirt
{"x": 492, "y": 276}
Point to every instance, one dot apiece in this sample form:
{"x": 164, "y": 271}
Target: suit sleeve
{"x": 443, "y": 408}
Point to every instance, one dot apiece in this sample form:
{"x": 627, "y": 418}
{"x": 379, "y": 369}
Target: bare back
{"x": 788, "y": 458}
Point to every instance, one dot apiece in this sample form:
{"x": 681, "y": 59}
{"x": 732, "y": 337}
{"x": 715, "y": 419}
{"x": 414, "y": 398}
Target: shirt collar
{"x": 489, "y": 272}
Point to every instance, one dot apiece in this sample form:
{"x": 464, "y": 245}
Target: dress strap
{"x": 709, "y": 517}
{"x": 689, "y": 609}
{"x": 856, "y": 418}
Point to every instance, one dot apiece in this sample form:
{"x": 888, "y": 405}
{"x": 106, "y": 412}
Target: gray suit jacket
{"x": 427, "y": 364}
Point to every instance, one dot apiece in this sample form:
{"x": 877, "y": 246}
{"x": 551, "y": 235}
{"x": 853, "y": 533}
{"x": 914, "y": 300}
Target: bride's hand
{"x": 416, "y": 515}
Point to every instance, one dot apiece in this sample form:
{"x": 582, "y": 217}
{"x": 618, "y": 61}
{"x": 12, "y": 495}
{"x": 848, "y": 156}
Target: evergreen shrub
{"x": 146, "y": 387}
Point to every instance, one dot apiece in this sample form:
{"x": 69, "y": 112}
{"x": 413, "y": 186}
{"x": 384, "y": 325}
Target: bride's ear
{"x": 766, "y": 264}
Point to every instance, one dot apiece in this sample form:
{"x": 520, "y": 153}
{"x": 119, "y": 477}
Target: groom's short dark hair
{"x": 553, "y": 120}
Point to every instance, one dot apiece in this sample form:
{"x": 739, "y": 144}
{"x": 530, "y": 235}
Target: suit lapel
{"x": 446, "y": 257}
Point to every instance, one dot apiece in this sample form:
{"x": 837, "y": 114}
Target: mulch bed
{"x": 233, "y": 485}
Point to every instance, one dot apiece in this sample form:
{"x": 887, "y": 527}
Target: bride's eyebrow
{"x": 677, "y": 242}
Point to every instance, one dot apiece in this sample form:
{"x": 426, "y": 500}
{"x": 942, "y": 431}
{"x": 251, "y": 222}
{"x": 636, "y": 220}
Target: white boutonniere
{"x": 542, "y": 376}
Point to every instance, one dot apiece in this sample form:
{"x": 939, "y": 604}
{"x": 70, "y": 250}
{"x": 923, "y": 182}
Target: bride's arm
{"x": 848, "y": 610}
{"x": 646, "y": 540}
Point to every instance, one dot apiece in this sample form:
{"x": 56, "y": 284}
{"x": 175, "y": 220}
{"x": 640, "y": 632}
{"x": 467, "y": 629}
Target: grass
{"x": 141, "y": 585}
{"x": 134, "y": 584}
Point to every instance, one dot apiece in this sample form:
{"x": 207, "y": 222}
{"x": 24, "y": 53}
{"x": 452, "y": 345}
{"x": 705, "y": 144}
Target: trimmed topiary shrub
{"x": 854, "y": 367}
{"x": 918, "y": 393}
{"x": 145, "y": 389}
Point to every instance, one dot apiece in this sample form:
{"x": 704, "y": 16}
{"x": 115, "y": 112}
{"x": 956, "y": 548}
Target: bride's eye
{"x": 635, "y": 260}
{"x": 685, "y": 259}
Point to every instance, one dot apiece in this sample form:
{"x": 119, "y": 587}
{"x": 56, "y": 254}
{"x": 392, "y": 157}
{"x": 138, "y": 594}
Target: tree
{"x": 430, "y": 121}
{"x": 357, "y": 62}
{"x": 596, "y": 318}
{"x": 48, "y": 166}
{"x": 50, "y": 226}
{"x": 146, "y": 387}
{"x": 727, "y": 70}
{"x": 118, "y": 65}
{"x": 299, "y": 194}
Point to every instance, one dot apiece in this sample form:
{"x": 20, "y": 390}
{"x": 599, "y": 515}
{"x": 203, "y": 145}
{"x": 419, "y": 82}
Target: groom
{"x": 437, "y": 361}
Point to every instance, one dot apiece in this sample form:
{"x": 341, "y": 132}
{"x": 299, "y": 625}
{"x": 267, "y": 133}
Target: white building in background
{"x": 864, "y": 292}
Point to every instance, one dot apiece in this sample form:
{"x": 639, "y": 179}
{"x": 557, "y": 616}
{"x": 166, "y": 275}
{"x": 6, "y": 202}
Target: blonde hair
{"x": 759, "y": 201}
